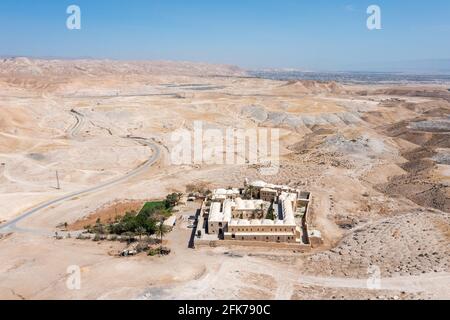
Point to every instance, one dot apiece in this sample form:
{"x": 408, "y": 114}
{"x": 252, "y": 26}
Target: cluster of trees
{"x": 172, "y": 200}
{"x": 136, "y": 223}
{"x": 148, "y": 221}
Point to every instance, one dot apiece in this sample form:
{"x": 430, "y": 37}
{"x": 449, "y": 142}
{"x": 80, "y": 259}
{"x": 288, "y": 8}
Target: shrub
{"x": 82, "y": 237}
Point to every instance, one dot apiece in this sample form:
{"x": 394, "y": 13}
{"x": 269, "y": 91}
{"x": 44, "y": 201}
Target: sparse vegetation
{"x": 159, "y": 251}
{"x": 199, "y": 189}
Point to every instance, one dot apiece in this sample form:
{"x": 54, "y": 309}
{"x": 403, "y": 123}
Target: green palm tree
{"x": 161, "y": 231}
{"x": 141, "y": 231}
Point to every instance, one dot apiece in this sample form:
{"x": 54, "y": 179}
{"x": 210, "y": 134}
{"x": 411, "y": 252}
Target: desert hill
{"x": 39, "y": 67}
{"x": 310, "y": 87}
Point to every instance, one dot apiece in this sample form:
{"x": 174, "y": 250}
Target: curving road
{"x": 11, "y": 226}
{"x": 75, "y": 130}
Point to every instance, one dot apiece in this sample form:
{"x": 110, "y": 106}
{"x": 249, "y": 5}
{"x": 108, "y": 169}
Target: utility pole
{"x": 57, "y": 181}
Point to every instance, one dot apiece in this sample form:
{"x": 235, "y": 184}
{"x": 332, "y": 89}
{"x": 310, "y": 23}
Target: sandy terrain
{"x": 376, "y": 159}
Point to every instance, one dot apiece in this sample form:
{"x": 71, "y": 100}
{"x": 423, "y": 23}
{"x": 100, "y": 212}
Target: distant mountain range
{"x": 423, "y": 66}
{"x": 22, "y": 66}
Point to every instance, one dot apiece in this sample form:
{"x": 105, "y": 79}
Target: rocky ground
{"x": 412, "y": 243}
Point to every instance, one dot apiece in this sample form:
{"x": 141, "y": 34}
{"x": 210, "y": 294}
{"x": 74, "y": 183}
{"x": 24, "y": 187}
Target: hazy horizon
{"x": 439, "y": 66}
{"x": 301, "y": 35}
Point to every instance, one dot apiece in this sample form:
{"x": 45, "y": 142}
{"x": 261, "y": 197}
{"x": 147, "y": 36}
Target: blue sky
{"x": 312, "y": 35}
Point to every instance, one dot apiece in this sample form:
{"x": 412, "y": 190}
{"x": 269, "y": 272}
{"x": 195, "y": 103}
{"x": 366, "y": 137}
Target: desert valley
{"x": 89, "y": 140}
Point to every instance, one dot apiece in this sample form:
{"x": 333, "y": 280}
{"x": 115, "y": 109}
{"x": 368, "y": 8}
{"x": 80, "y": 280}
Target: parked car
{"x": 127, "y": 253}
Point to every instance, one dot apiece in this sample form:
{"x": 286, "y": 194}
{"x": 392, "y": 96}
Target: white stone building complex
{"x": 259, "y": 212}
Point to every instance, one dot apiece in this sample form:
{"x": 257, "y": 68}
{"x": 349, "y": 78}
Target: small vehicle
{"x": 127, "y": 253}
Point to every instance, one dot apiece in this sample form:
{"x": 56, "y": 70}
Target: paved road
{"x": 11, "y": 226}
